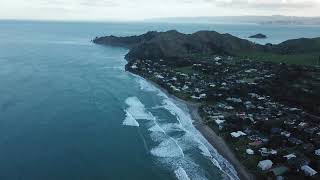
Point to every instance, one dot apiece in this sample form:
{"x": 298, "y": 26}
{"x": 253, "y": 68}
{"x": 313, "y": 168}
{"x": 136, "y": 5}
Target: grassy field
{"x": 301, "y": 59}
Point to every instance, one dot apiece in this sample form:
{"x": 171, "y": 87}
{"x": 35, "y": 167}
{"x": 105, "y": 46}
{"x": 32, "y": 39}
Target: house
{"x": 159, "y": 77}
{"x": 267, "y": 152}
{"x": 286, "y": 134}
{"x": 250, "y": 70}
{"x": 238, "y": 134}
{"x": 134, "y": 66}
{"x": 265, "y": 165}
{"x": 294, "y": 109}
{"x": 295, "y": 141}
{"x": 174, "y": 79}
{"x": 203, "y": 95}
{"x": 250, "y": 151}
{"x": 217, "y": 58}
{"x": 279, "y": 178}
{"x": 308, "y": 170}
{"x": 212, "y": 85}
{"x": 297, "y": 162}
{"x": 289, "y": 156}
{"x": 185, "y": 87}
{"x": 219, "y": 122}
{"x": 235, "y": 100}
{"x": 174, "y": 88}
{"x": 228, "y": 107}
{"x": 256, "y": 143}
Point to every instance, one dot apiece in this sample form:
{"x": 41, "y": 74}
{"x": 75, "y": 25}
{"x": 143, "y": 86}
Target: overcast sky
{"x": 142, "y": 9}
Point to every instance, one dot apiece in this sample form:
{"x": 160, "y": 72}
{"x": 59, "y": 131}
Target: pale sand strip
{"x": 216, "y": 141}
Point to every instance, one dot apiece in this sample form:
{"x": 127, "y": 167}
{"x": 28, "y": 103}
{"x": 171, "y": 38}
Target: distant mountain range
{"x": 275, "y": 19}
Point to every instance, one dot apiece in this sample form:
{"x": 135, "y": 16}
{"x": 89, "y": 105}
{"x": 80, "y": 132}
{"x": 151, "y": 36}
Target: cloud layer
{"x": 278, "y": 4}
{"x": 141, "y": 9}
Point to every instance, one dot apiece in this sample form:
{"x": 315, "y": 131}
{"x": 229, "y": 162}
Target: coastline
{"x": 238, "y": 86}
{"x": 215, "y": 140}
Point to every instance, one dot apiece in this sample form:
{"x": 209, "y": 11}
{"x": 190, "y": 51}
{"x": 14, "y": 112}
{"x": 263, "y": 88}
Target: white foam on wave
{"x": 137, "y": 109}
{"x": 145, "y": 86}
{"x": 156, "y": 128}
{"x": 205, "y": 151}
{"x": 181, "y": 174}
{"x": 172, "y": 127}
{"x": 167, "y": 148}
{"x": 183, "y": 118}
{"x": 190, "y": 141}
{"x": 113, "y": 67}
{"x": 186, "y": 122}
{"x": 130, "y": 120}
{"x": 204, "y": 146}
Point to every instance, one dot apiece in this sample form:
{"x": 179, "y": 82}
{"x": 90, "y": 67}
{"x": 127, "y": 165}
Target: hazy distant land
{"x": 275, "y": 19}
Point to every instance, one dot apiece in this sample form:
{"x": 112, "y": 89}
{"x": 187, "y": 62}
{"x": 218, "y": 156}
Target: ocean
{"x": 69, "y": 110}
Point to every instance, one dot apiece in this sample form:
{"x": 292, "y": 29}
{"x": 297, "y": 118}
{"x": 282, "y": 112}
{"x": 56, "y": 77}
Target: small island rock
{"x": 259, "y": 36}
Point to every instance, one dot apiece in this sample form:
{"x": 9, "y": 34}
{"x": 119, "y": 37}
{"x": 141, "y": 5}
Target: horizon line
{"x": 144, "y": 19}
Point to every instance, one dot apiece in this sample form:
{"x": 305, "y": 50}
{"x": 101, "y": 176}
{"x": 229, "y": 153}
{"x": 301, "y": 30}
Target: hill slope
{"x": 175, "y": 45}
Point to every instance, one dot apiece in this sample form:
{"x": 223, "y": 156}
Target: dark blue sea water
{"x": 69, "y": 111}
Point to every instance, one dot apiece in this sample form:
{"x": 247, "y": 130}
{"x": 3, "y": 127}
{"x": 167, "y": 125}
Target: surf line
{"x": 232, "y": 174}
{"x": 144, "y": 141}
{"x": 171, "y": 138}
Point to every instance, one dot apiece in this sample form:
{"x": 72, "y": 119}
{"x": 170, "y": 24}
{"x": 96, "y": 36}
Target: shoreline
{"x": 209, "y": 134}
{"x": 218, "y": 143}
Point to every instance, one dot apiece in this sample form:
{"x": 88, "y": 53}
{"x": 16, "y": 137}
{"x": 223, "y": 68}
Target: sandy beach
{"x": 216, "y": 141}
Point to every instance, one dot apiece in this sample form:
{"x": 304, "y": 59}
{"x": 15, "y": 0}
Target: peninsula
{"x": 262, "y": 101}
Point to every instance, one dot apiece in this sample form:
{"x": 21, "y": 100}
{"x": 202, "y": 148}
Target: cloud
{"x": 267, "y": 4}
{"x": 142, "y": 9}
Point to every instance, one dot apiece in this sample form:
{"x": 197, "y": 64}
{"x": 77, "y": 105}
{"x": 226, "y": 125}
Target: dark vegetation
{"x": 172, "y": 45}
{"x": 259, "y": 36}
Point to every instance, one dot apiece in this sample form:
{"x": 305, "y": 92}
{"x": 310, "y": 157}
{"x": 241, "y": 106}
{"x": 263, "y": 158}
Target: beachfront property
{"x": 274, "y": 134}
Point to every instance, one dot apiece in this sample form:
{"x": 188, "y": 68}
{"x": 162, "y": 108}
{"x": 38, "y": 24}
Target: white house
{"x": 217, "y": 58}
{"x": 238, "y": 134}
{"x": 250, "y": 151}
{"x": 134, "y": 66}
{"x": 289, "y": 156}
{"x": 308, "y": 170}
{"x": 159, "y": 77}
{"x": 219, "y": 122}
{"x": 265, "y": 165}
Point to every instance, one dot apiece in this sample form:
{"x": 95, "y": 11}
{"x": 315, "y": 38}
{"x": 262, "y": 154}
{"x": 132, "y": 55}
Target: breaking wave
{"x": 130, "y": 120}
{"x": 137, "y": 109}
{"x": 167, "y": 148}
{"x": 181, "y": 174}
{"x": 187, "y": 139}
{"x": 145, "y": 86}
{"x": 156, "y": 128}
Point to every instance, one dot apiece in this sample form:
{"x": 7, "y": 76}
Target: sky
{"x": 144, "y": 9}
